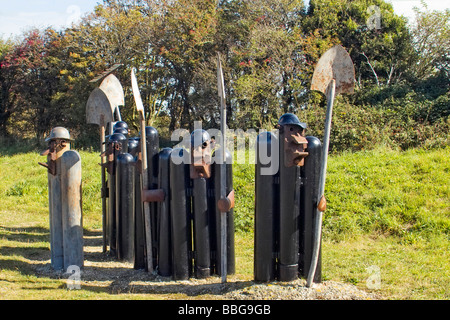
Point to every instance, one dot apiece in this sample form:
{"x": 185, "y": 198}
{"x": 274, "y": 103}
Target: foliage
{"x": 431, "y": 41}
{"x": 268, "y": 49}
{"x": 398, "y": 116}
{"x": 24, "y": 88}
{"x": 379, "y": 52}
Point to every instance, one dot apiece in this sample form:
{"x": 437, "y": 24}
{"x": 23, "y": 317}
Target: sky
{"x": 18, "y": 16}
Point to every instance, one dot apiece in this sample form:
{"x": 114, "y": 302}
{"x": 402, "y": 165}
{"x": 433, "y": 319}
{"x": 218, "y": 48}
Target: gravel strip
{"x": 103, "y": 272}
{"x": 297, "y": 290}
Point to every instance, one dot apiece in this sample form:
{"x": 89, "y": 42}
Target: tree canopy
{"x": 269, "y": 49}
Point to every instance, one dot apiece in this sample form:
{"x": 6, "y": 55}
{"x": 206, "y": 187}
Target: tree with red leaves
{"x": 27, "y": 86}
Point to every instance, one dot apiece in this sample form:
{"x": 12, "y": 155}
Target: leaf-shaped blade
{"x": 136, "y": 93}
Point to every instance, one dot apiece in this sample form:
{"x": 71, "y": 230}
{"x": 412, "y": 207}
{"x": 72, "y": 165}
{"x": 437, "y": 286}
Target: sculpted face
{"x": 201, "y": 160}
{"x": 295, "y": 145}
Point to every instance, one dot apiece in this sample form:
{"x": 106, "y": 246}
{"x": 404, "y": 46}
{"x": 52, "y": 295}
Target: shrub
{"x": 395, "y": 116}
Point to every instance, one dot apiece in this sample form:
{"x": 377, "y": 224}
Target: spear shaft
{"x": 223, "y": 170}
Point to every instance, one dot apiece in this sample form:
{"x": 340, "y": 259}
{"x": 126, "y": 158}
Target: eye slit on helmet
{"x": 204, "y": 145}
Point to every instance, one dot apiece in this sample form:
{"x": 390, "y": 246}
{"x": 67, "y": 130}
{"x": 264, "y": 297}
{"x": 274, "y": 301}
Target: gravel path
{"x": 297, "y": 290}
{"x": 103, "y": 273}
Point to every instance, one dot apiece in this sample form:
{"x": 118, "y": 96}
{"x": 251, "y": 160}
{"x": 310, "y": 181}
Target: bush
{"x": 395, "y": 116}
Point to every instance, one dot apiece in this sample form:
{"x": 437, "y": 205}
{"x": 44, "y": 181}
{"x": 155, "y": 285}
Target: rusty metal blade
{"x": 97, "y": 105}
{"x": 220, "y": 82}
{"x": 107, "y": 72}
{"x": 113, "y": 89}
{"x": 334, "y": 64}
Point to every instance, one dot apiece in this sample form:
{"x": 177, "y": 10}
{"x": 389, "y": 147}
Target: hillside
{"x": 387, "y": 211}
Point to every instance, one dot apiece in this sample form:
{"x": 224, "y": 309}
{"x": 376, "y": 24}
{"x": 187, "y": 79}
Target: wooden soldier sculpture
{"x": 187, "y": 217}
{"x": 64, "y": 183}
{"x": 285, "y": 201}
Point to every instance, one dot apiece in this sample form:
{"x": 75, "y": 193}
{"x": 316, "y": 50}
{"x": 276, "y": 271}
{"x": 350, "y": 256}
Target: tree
{"x": 269, "y": 50}
{"x": 266, "y": 59}
{"x": 182, "y": 40}
{"x": 5, "y": 86}
{"x": 431, "y": 42}
{"x": 31, "y": 84}
{"x": 379, "y": 51}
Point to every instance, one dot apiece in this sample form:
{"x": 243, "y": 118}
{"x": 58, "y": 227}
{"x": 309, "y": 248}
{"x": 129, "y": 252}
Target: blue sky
{"x": 17, "y": 16}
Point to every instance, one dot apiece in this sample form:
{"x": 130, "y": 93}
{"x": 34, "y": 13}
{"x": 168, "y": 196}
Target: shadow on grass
{"x": 15, "y": 146}
{"x": 172, "y": 288}
{"x": 101, "y": 273}
{"x": 25, "y": 234}
{"x": 30, "y": 253}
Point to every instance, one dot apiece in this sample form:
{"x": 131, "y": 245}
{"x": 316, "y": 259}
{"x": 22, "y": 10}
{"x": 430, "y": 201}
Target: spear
{"x": 144, "y": 181}
{"x": 223, "y": 175}
{"x": 334, "y": 74}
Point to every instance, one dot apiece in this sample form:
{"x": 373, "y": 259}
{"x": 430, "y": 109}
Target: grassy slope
{"x": 385, "y": 208}
{"x": 391, "y": 210}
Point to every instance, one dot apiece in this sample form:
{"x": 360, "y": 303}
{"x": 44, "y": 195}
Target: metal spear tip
{"x": 136, "y": 92}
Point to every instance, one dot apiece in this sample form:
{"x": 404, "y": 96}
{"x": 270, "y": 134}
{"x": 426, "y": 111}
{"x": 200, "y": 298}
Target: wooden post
{"x": 55, "y": 210}
{"x": 72, "y": 225}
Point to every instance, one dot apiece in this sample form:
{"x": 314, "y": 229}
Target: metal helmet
{"x": 123, "y": 131}
{"x": 291, "y": 119}
{"x": 151, "y": 131}
{"x": 59, "y": 133}
{"x": 117, "y": 137}
{"x": 133, "y": 141}
{"x": 120, "y": 124}
{"x": 200, "y": 137}
{"x": 133, "y": 144}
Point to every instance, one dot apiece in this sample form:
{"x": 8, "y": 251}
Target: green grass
{"x": 386, "y": 208}
{"x": 390, "y": 209}
{"x": 403, "y": 194}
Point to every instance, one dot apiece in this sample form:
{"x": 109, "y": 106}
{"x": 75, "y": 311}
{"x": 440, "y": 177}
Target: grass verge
{"x": 386, "y": 209}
